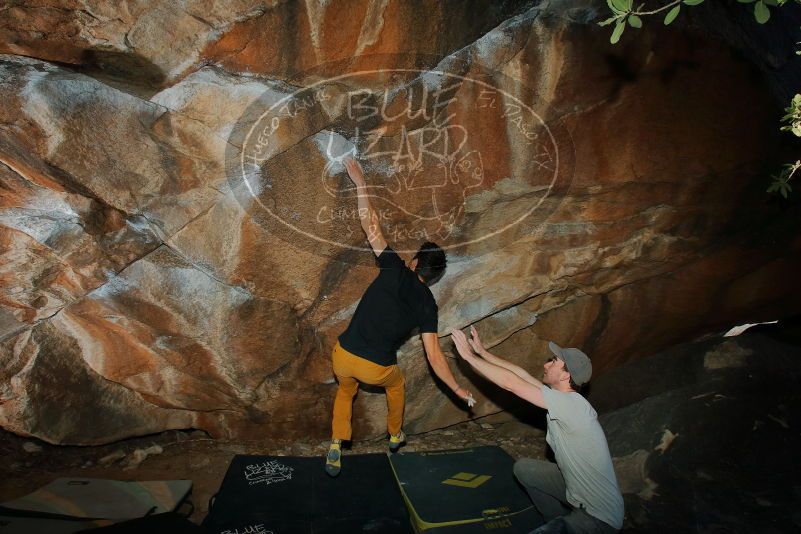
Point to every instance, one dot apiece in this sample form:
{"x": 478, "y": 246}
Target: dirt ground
{"x": 28, "y": 464}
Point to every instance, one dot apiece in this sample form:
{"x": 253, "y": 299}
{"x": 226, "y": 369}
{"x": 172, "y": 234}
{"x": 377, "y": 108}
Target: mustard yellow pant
{"x": 350, "y": 370}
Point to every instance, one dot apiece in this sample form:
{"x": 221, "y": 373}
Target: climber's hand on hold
{"x": 355, "y": 172}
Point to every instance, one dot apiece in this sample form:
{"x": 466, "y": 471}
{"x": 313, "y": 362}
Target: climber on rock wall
{"x": 396, "y": 302}
{"x": 579, "y": 493}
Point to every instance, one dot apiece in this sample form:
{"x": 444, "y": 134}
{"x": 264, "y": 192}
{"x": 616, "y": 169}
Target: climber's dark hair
{"x": 430, "y": 262}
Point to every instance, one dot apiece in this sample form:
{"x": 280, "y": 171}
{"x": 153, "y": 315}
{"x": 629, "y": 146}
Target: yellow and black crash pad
{"x": 464, "y": 490}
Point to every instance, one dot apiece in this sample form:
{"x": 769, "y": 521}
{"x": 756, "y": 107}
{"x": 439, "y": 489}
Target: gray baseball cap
{"x": 576, "y": 362}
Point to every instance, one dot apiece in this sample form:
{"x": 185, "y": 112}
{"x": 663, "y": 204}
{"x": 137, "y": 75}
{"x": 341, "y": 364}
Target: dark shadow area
{"x": 705, "y": 435}
{"x": 127, "y": 72}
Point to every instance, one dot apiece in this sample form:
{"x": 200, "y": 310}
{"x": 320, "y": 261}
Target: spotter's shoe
{"x": 333, "y": 460}
{"x": 396, "y": 440}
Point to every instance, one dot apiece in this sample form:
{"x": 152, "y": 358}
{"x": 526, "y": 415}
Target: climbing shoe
{"x": 333, "y": 462}
{"x": 396, "y": 440}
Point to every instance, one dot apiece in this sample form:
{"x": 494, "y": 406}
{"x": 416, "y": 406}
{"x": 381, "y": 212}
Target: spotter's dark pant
{"x": 546, "y": 487}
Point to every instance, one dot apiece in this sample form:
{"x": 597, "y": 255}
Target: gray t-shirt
{"x": 582, "y": 454}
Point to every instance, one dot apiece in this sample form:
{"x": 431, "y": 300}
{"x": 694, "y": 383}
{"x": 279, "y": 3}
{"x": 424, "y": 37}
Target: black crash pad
{"x": 170, "y": 522}
{"x": 293, "y": 495}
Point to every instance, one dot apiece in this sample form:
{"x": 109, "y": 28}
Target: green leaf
{"x": 746, "y": 1}
{"x": 672, "y": 14}
{"x": 620, "y": 6}
{"x": 608, "y": 21}
{"x": 771, "y": 2}
{"x": 761, "y": 12}
{"x": 784, "y": 190}
{"x": 635, "y": 21}
{"x": 692, "y": 2}
{"x": 619, "y": 27}
{"x": 797, "y": 129}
